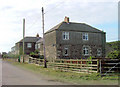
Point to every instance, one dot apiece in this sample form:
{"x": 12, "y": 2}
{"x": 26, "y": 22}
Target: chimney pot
{"x": 66, "y": 19}
{"x": 37, "y": 35}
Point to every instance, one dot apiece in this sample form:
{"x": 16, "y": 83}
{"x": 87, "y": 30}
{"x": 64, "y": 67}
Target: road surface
{"x": 0, "y": 72}
{"x": 12, "y": 75}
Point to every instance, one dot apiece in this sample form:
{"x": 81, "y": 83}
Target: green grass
{"x": 70, "y": 77}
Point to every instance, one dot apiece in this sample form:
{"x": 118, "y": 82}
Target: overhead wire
{"x": 54, "y": 7}
{"x": 45, "y": 13}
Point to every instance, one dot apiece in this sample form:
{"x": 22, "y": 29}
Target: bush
{"x": 10, "y": 56}
{"x": 113, "y": 54}
{"x": 36, "y": 55}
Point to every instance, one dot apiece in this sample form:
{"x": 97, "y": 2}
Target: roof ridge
{"x": 88, "y": 25}
{"x": 59, "y": 24}
{"x": 55, "y": 27}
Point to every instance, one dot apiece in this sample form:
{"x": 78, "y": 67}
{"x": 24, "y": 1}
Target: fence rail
{"x": 103, "y": 66}
{"x": 71, "y": 65}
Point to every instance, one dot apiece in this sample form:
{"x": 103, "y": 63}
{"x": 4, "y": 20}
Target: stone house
{"x": 13, "y": 50}
{"x": 29, "y": 45}
{"x": 39, "y": 46}
{"x": 71, "y": 40}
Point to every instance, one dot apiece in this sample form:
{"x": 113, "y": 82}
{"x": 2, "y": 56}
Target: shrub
{"x": 113, "y": 54}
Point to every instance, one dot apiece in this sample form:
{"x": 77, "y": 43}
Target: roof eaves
{"x": 57, "y": 26}
{"x": 93, "y": 27}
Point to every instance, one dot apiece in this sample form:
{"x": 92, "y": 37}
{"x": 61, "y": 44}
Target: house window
{"x": 66, "y": 52}
{"x": 38, "y": 45}
{"x": 85, "y": 36}
{"x": 99, "y": 52}
{"x": 29, "y": 45}
{"x": 65, "y": 35}
{"x": 85, "y": 50}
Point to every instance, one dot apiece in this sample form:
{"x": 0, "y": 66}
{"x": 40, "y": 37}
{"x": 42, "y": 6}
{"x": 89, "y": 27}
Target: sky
{"x": 101, "y": 14}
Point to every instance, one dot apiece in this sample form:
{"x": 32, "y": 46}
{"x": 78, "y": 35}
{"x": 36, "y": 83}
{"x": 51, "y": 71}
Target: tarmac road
{"x": 0, "y": 72}
{"x": 12, "y": 75}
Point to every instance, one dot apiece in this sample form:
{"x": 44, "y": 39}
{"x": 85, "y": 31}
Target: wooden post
{"x": 23, "y": 39}
{"x": 45, "y": 62}
{"x": 97, "y": 65}
{"x": 100, "y": 67}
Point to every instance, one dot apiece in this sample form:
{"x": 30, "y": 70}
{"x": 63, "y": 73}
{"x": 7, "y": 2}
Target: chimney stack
{"x": 37, "y": 35}
{"x": 66, "y": 19}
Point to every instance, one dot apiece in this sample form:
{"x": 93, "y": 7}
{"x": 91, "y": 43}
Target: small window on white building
{"x": 65, "y": 35}
{"x": 29, "y": 45}
{"x": 86, "y": 50}
{"x": 66, "y": 52}
{"x": 38, "y": 46}
{"x": 99, "y": 52}
{"x": 85, "y": 36}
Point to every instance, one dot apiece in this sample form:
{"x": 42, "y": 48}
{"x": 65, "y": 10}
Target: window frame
{"x": 99, "y": 50}
{"x": 65, "y": 35}
{"x": 85, "y": 36}
{"x": 38, "y": 46}
{"x": 86, "y": 50}
{"x": 29, "y": 45}
{"x": 65, "y": 49}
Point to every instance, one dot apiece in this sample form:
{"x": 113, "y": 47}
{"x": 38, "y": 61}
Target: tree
{"x": 21, "y": 50}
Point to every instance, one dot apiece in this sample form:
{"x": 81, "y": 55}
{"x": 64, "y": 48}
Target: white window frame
{"x": 99, "y": 52}
{"x": 65, "y": 51}
{"x": 65, "y": 35}
{"x": 29, "y": 45}
{"x": 85, "y": 36}
{"x": 38, "y": 46}
{"x": 86, "y": 49}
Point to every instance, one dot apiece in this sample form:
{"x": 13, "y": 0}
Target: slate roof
{"x": 72, "y": 26}
{"x": 40, "y": 40}
{"x": 30, "y": 39}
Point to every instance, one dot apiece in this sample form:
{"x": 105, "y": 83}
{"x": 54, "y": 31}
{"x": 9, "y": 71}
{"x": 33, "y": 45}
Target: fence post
{"x": 77, "y": 63}
{"x": 81, "y": 63}
{"x": 91, "y": 64}
{"x": 97, "y": 65}
{"x": 100, "y": 67}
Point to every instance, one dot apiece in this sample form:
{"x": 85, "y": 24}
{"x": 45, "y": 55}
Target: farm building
{"x": 70, "y": 40}
{"x": 29, "y": 45}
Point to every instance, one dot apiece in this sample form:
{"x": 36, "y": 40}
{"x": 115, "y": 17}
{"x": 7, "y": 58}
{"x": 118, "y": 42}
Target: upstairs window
{"x": 65, "y": 35}
{"x": 85, "y": 36}
{"x": 85, "y": 50}
{"x": 99, "y": 52}
{"x": 29, "y": 45}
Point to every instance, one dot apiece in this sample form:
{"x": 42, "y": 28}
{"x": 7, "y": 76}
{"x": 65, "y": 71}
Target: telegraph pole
{"x": 45, "y": 62}
{"x": 23, "y": 39}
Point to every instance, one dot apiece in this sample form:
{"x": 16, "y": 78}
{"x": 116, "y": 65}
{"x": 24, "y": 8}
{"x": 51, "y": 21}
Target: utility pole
{"x": 23, "y": 39}
{"x": 45, "y": 62}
